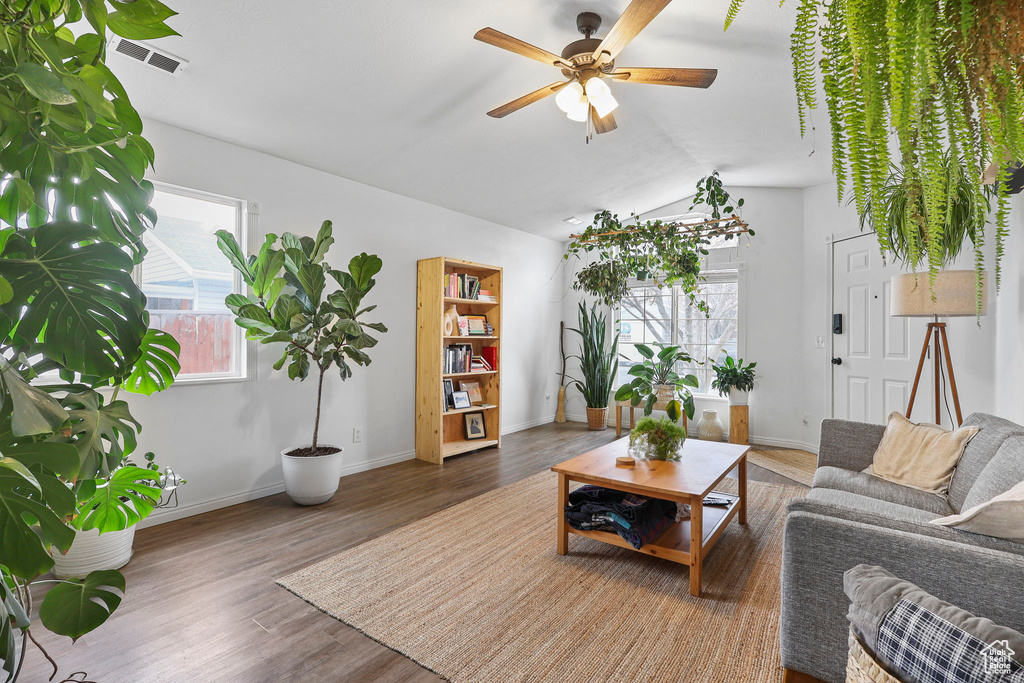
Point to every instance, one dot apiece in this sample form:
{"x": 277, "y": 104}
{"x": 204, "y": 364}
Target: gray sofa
{"x": 850, "y": 518}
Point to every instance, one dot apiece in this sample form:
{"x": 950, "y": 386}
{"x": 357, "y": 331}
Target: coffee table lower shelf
{"x": 674, "y": 543}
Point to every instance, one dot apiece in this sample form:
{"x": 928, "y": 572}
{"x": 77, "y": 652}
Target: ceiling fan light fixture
{"x": 570, "y": 97}
{"x": 579, "y": 112}
{"x": 600, "y": 96}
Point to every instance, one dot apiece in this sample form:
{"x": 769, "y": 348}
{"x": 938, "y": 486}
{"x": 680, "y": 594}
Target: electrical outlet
{"x": 807, "y": 418}
{"x": 819, "y": 341}
{"x": 357, "y": 435}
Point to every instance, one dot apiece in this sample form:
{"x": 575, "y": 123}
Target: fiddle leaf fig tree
{"x": 74, "y": 205}
{"x": 290, "y": 304}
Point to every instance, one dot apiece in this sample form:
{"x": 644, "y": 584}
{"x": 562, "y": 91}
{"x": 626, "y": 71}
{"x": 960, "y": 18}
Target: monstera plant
{"x": 290, "y": 304}
{"x": 73, "y": 208}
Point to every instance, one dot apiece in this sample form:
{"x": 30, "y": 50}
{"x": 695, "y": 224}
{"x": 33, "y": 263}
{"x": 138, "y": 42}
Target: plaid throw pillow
{"x": 922, "y": 647}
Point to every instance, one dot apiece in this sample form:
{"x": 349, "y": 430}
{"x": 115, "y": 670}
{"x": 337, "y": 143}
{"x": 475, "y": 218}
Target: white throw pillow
{"x": 921, "y": 456}
{"x": 1002, "y": 517}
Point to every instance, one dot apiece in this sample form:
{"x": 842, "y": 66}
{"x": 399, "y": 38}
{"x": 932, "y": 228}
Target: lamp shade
{"x": 953, "y": 294}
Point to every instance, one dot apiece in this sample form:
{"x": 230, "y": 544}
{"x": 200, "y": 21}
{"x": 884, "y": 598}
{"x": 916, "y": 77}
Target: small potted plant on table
{"x": 597, "y": 365}
{"x": 289, "y": 304}
{"x": 653, "y": 439}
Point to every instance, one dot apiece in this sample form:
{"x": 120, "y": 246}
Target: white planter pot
{"x": 312, "y": 480}
{"x": 92, "y": 551}
{"x": 738, "y": 398}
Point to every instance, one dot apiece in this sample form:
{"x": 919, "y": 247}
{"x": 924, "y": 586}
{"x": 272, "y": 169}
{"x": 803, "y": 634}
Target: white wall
{"x": 225, "y": 438}
{"x": 772, "y": 303}
{"x": 1009, "y": 320}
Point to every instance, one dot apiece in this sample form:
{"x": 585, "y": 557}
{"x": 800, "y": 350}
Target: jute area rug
{"x": 477, "y": 593}
{"x": 796, "y": 465}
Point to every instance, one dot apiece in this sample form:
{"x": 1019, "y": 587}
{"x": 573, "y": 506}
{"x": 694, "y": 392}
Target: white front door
{"x": 874, "y": 356}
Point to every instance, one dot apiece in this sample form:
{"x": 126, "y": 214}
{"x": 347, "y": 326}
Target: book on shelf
{"x": 485, "y": 295}
{"x": 478, "y": 364}
{"x": 462, "y": 286}
{"x": 457, "y": 358}
{"x": 490, "y": 355}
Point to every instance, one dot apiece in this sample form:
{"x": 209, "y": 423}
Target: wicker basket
{"x": 861, "y": 667}
{"x": 597, "y": 418}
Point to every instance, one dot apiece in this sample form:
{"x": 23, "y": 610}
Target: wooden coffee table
{"x": 703, "y": 465}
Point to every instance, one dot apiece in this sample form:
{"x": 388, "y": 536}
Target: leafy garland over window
{"x": 660, "y": 252}
{"x": 944, "y": 75}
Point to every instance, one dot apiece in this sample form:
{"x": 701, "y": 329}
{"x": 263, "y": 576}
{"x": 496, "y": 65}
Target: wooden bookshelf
{"x": 441, "y": 433}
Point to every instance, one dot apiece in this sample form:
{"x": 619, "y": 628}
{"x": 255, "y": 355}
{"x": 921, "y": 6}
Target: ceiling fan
{"x": 587, "y": 62}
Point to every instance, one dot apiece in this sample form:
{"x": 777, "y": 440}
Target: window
{"x": 649, "y": 315}
{"x": 185, "y": 278}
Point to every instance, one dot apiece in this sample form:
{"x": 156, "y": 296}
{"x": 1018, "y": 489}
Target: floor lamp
{"x": 952, "y": 295}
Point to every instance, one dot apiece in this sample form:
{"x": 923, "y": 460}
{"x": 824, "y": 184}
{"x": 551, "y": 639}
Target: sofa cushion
{"x": 875, "y": 506}
{"x": 864, "y": 484}
{"x": 1002, "y": 473}
{"x": 922, "y": 456}
{"x": 981, "y": 449}
{"x": 874, "y": 595}
{"x": 1002, "y": 517}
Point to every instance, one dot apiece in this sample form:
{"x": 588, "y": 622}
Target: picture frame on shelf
{"x": 449, "y": 389}
{"x": 475, "y": 427}
{"x": 473, "y": 389}
{"x": 460, "y": 400}
{"x": 477, "y": 325}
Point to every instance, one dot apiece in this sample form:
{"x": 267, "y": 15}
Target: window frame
{"x": 245, "y": 349}
{"x": 741, "y": 308}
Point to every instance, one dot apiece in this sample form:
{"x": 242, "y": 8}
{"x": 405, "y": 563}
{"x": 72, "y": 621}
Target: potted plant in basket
{"x": 653, "y": 439}
{"x": 597, "y": 365}
{"x": 289, "y": 304}
{"x": 734, "y": 379}
{"x": 657, "y": 380}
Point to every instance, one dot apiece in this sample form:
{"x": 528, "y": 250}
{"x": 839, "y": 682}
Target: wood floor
{"x": 202, "y": 605}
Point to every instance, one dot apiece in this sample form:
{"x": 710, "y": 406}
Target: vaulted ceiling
{"x": 394, "y": 94}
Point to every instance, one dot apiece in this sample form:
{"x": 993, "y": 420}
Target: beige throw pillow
{"x": 920, "y": 456}
{"x": 1002, "y": 517}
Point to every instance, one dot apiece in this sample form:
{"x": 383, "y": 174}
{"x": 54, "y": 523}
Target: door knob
{"x": 837, "y": 361}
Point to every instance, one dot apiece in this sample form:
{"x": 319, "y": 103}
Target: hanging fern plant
{"x": 947, "y": 77}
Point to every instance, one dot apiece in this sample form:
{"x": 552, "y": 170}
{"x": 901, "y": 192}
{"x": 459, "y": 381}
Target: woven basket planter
{"x": 861, "y": 667}
{"x": 597, "y": 418}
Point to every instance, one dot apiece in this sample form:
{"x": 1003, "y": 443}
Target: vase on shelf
{"x": 710, "y": 428}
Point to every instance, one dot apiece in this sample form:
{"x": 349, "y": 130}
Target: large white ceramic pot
{"x": 92, "y": 551}
{"x": 311, "y": 480}
{"x": 738, "y": 398}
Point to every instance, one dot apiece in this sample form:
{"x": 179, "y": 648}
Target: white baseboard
{"x": 784, "y": 443}
{"x": 171, "y": 514}
{"x": 527, "y": 425}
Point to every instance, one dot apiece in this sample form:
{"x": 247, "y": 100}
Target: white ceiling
{"x": 394, "y": 94}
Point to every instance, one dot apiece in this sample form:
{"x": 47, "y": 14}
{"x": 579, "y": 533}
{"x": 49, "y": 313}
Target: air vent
{"x": 158, "y": 59}
{"x": 133, "y": 50}
{"x": 163, "y": 62}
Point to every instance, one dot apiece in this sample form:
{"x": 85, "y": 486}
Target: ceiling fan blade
{"x": 633, "y": 20}
{"x": 507, "y": 42}
{"x": 687, "y": 78}
{"x": 535, "y": 96}
{"x": 605, "y": 125}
